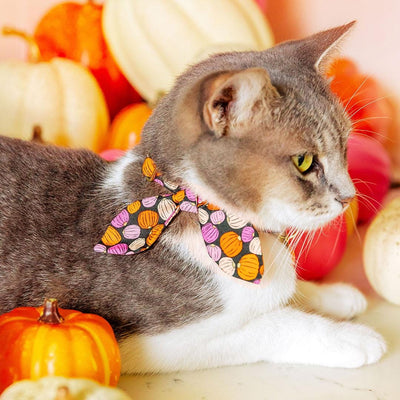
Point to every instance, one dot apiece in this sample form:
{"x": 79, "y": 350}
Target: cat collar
{"x": 231, "y": 242}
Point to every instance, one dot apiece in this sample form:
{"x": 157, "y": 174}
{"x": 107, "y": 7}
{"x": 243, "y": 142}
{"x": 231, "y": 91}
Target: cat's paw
{"x": 353, "y": 345}
{"x": 340, "y": 300}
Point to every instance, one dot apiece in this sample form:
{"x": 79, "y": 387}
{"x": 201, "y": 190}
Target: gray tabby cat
{"x": 236, "y": 129}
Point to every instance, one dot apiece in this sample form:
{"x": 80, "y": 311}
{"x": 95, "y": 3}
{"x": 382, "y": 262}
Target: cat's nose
{"x": 344, "y": 201}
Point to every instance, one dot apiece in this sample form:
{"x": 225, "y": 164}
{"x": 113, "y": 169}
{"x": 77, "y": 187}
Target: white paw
{"x": 340, "y": 300}
{"x": 352, "y": 345}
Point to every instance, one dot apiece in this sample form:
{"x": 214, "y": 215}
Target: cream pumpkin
{"x": 153, "y": 41}
{"x": 60, "y": 388}
{"x": 381, "y": 252}
{"x": 60, "y": 96}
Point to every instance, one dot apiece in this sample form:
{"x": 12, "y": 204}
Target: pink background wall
{"x": 374, "y": 44}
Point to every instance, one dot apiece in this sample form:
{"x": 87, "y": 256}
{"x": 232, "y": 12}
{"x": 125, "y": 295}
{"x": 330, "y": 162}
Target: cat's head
{"x": 259, "y": 134}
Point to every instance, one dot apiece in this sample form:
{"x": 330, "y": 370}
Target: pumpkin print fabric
{"x": 231, "y": 242}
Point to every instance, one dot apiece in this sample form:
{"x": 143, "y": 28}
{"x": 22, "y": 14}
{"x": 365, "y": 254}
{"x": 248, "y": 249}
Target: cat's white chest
{"x": 244, "y": 300}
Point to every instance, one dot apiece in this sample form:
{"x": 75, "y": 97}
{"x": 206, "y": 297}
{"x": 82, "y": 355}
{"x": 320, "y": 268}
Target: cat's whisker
{"x": 370, "y": 118}
{"x": 354, "y": 222}
{"x": 372, "y": 101}
{"x": 368, "y": 201}
{"x": 355, "y": 92}
{"x": 366, "y": 105}
{"x": 365, "y": 132}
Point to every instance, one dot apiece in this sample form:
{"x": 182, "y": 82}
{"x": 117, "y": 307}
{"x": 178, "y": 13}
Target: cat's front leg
{"x": 338, "y": 300}
{"x": 286, "y": 336}
{"x": 298, "y": 337}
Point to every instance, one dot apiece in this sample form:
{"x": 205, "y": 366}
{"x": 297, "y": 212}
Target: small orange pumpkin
{"x": 178, "y": 196}
{"x": 231, "y": 244}
{"x": 111, "y": 237}
{"x": 125, "y": 130}
{"x": 149, "y": 168}
{"x": 154, "y": 234}
{"x": 148, "y": 219}
{"x": 43, "y": 341}
{"x": 133, "y": 207}
{"x": 248, "y": 267}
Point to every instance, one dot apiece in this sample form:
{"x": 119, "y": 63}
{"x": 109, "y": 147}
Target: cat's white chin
{"x": 278, "y": 217}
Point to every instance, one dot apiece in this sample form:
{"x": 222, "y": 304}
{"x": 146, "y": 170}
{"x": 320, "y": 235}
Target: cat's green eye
{"x": 303, "y": 162}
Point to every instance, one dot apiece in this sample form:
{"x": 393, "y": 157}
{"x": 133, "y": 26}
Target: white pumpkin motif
{"x": 227, "y": 265}
{"x": 166, "y": 208}
{"x": 255, "y": 246}
{"x": 137, "y": 244}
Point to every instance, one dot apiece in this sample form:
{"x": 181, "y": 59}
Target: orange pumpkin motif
{"x": 179, "y": 196}
{"x": 154, "y": 234}
{"x": 149, "y": 168}
{"x": 248, "y": 267}
{"x": 133, "y": 207}
{"x": 111, "y": 237}
{"x": 231, "y": 244}
{"x": 148, "y": 219}
{"x": 42, "y": 341}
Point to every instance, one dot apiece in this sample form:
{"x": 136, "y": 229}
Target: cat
{"x": 259, "y": 135}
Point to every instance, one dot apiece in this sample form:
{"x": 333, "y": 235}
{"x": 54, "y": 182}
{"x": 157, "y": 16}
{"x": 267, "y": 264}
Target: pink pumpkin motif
{"x": 214, "y": 252}
{"x": 121, "y": 219}
{"x": 189, "y": 207}
{"x": 119, "y": 249}
{"x": 100, "y": 248}
{"x": 247, "y": 234}
{"x": 210, "y": 232}
{"x": 217, "y": 217}
{"x": 149, "y": 201}
{"x": 131, "y": 232}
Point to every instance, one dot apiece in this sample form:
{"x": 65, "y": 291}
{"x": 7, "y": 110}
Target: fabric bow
{"x": 231, "y": 242}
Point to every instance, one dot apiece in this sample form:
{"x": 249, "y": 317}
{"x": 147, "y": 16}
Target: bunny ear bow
{"x": 231, "y": 242}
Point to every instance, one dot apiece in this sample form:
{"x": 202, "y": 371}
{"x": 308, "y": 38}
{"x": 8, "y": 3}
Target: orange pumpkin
{"x": 148, "y": 219}
{"x": 179, "y": 196}
{"x": 133, "y": 207}
{"x": 248, "y": 267}
{"x": 149, "y": 168}
{"x": 154, "y": 234}
{"x": 231, "y": 244}
{"x": 43, "y": 341}
{"x": 127, "y": 126}
{"x": 74, "y": 31}
{"x": 111, "y": 237}
{"x": 211, "y": 207}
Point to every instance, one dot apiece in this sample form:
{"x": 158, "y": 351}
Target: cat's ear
{"x": 236, "y": 98}
{"x": 321, "y": 48}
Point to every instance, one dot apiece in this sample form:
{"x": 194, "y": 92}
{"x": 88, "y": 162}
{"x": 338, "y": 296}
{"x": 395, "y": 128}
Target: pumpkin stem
{"x": 37, "y": 134}
{"x": 33, "y": 50}
{"x": 63, "y": 393}
{"x": 50, "y": 314}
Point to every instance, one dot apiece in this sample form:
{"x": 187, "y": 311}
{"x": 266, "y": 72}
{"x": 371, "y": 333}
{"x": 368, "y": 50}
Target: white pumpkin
{"x": 153, "y": 41}
{"x": 60, "y": 96}
{"x": 381, "y": 252}
{"x": 60, "y": 388}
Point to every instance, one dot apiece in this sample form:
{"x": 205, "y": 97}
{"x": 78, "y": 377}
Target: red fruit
{"x": 369, "y": 168}
{"x": 318, "y": 252}
{"x": 74, "y": 31}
